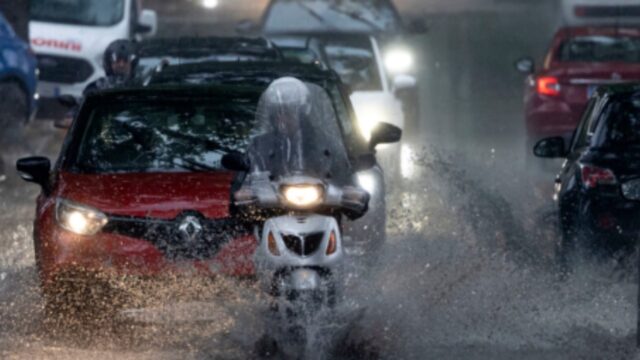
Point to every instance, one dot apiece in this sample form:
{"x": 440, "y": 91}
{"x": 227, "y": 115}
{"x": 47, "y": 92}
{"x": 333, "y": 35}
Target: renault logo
{"x": 190, "y": 228}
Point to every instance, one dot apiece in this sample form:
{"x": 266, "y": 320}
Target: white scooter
{"x": 300, "y": 257}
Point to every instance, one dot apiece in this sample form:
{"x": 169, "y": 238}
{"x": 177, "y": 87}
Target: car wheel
{"x": 14, "y": 116}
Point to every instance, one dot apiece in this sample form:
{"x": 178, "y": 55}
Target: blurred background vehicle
{"x": 363, "y": 43}
{"x": 18, "y": 81}
{"x": 599, "y": 45}
{"x": 599, "y": 185}
{"x": 70, "y": 37}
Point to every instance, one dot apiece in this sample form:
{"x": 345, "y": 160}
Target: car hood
{"x": 163, "y": 196}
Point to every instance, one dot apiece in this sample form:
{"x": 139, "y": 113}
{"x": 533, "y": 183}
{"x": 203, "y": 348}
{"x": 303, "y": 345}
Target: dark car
{"x": 371, "y": 229}
{"x": 154, "y": 53}
{"x": 599, "y": 185}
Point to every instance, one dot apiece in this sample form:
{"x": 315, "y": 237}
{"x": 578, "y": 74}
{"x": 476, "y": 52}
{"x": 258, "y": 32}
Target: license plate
{"x": 590, "y": 90}
{"x": 631, "y": 189}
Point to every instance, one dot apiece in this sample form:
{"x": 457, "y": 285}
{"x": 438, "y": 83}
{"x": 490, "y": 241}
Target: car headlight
{"x": 303, "y": 196}
{"x": 79, "y": 219}
{"x": 398, "y": 61}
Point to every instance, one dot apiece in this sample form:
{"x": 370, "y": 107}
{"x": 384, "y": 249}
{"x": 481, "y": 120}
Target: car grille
{"x": 631, "y": 189}
{"x": 303, "y": 246}
{"x": 64, "y": 70}
{"x": 190, "y": 236}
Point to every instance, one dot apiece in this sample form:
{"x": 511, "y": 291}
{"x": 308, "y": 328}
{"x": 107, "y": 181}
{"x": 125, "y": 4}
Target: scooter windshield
{"x": 299, "y": 134}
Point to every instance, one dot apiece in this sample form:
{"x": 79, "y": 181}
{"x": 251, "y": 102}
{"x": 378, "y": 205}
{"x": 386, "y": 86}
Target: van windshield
{"x": 365, "y": 16}
{"x": 78, "y": 12}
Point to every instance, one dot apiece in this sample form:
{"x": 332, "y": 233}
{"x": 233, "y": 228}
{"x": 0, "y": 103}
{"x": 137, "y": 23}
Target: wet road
{"x": 468, "y": 271}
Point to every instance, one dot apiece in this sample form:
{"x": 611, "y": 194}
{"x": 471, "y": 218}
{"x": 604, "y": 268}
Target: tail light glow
{"x": 593, "y": 176}
{"x": 548, "y": 85}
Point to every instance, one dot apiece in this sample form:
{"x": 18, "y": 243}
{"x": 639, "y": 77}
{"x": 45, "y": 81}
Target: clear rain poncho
{"x": 298, "y": 134}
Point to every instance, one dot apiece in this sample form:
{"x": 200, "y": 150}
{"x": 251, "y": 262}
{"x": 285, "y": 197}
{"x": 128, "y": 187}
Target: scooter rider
{"x": 119, "y": 61}
{"x": 283, "y": 108}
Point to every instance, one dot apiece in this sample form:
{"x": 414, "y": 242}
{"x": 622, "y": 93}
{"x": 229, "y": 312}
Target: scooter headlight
{"x": 303, "y": 196}
{"x": 79, "y": 219}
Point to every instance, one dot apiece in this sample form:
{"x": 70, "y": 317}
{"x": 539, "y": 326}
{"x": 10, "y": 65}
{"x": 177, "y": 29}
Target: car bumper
{"x": 611, "y": 216}
{"x": 67, "y": 253}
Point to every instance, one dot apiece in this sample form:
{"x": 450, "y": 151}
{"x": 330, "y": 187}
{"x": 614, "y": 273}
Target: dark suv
{"x": 599, "y": 186}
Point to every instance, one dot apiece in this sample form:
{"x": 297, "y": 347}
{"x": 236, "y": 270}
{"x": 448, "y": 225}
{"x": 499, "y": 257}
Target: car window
{"x": 600, "y": 49}
{"x": 620, "y": 126}
{"x": 355, "y": 61}
{"x": 78, "y": 12}
{"x": 581, "y": 136}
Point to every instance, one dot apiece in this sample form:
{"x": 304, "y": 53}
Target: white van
{"x": 69, "y": 38}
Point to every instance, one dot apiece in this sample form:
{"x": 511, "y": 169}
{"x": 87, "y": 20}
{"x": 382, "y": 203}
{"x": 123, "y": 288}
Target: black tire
{"x": 14, "y": 112}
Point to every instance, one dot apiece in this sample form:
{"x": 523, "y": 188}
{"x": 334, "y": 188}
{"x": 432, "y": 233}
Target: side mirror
{"x": 525, "y": 65}
{"x": 68, "y": 101}
{"x": 246, "y": 27}
{"x": 35, "y": 170}
{"x": 550, "y": 148}
{"x": 417, "y": 27}
{"x": 365, "y": 162}
{"x": 385, "y": 133}
{"x": 403, "y": 82}
{"x": 147, "y": 23}
{"x": 235, "y": 161}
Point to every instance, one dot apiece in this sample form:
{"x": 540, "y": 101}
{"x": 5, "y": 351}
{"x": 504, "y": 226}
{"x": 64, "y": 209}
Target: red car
{"x": 578, "y": 61}
{"x": 139, "y": 188}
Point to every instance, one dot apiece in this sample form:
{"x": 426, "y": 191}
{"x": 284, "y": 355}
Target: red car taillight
{"x": 593, "y": 176}
{"x": 548, "y": 85}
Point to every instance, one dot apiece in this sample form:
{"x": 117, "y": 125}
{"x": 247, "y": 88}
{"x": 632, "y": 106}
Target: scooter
{"x": 300, "y": 256}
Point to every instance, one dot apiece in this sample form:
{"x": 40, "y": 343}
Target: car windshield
{"x": 601, "y": 49}
{"x": 78, "y": 12}
{"x": 165, "y": 136}
{"x": 354, "y": 60}
{"x": 622, "y": 126}
{"x": 369, "y": 16}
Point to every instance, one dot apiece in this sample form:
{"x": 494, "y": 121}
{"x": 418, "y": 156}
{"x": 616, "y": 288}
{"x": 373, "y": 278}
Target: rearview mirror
{"x": 35, "y": 170}
{"x": 385, "y": 133}
{"x": 550, "y": 148}
{"x": 235, "y": 161}
{"x": 525, "y": 65}
{"x": 147, "y": 23}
